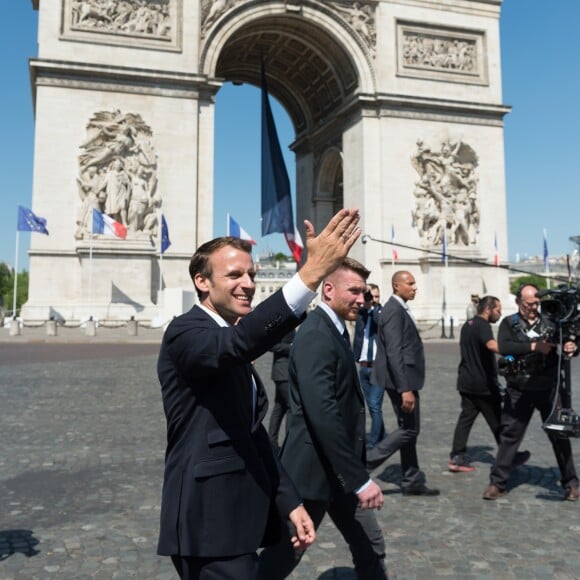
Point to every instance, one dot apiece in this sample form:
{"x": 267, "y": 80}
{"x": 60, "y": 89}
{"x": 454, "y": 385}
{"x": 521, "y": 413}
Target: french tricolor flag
{"x": 295, "y": 244}
{"x": 395, "y": 251}
{"x": 103, "y": 224}
{"x": 235, "y": 230}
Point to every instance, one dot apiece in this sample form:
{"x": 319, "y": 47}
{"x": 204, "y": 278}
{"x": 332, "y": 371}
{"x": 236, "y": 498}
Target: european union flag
{"x": 165, "y": 241}
{"x": 28, "y": 222}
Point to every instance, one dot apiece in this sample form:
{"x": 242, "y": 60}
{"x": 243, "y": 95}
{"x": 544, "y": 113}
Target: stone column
{"x": 205, "y": 168}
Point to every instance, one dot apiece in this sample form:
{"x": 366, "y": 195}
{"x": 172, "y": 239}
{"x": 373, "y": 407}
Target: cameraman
{"x": 533, "y": 387}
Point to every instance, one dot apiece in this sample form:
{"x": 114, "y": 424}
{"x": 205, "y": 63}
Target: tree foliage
{"x": 538, "y": 281}
{"x": 7, "y": 288}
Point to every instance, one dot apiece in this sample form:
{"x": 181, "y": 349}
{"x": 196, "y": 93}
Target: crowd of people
{"x": 228, "y": 488}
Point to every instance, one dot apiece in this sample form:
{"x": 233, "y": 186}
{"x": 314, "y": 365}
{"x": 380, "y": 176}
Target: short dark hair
{"x": 199, "y": 263}
{"x": 486, "y": 302}
{"x": 372, "y": 286}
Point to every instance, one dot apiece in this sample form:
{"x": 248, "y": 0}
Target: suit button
{"x": 360, "y": 438}
{"x": 362, "y": 410}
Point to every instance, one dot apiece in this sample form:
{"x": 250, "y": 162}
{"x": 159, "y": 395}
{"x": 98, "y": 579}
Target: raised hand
{"x": 326, "y": 251}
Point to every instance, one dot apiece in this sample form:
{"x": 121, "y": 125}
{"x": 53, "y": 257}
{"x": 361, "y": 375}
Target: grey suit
{"x": 400, "y": 367}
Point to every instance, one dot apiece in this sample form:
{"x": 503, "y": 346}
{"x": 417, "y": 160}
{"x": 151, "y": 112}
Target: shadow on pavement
{"x": 17, "y": 542}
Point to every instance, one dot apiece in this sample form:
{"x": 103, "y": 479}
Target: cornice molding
{"x": 389, "y": 105}
{"x": 121, "y": 79}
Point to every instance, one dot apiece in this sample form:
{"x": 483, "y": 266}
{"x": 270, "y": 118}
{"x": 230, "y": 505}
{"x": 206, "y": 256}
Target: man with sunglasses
{"x": 525, "y": 334}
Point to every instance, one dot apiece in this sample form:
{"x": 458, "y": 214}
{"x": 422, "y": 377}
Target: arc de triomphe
{"x": 396, "y": 106}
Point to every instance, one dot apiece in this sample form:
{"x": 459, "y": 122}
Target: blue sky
{"x": 541, "y": 81}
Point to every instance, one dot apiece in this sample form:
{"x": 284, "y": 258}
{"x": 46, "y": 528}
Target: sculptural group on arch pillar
{"x": 446, "y": 199}
{"x": 118, "y": 174}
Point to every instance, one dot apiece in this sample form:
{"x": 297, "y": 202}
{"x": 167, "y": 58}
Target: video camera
{"x": 561, "y": 306}
{"x": 509, "y": 366}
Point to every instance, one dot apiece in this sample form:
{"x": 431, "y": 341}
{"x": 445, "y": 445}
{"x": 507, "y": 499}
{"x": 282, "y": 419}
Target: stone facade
{"x": 397, "y": 107}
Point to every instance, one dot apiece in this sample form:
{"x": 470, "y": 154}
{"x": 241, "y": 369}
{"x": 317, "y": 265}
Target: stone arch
{"x": 316, "y": 63}
{"x": 348, "y": 74}
{"x": 328, "y": 195}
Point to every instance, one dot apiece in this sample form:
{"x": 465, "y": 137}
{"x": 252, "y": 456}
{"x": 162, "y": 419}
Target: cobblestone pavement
{"x": 81, "y": 462}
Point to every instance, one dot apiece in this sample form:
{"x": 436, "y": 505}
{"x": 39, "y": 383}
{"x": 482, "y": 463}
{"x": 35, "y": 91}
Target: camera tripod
{"x": 563, "y": 421}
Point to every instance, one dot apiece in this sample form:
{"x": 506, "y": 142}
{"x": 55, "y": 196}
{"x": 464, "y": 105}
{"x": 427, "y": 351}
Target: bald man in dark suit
{"x": 400, "y": 368}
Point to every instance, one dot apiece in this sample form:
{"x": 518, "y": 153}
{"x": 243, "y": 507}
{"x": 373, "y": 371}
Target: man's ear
{"x": 201, "y": 283}
{"x": 327, "y": 289}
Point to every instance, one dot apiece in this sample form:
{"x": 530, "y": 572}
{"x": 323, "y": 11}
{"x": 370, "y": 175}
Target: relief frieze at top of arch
{"x": 360, "y": 16}
{"x": 213, "y": 10}
{"x": 135, "y": 23}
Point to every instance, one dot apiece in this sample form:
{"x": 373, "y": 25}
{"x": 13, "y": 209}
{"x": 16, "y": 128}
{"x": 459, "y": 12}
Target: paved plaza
{"x": 81, "y": 465}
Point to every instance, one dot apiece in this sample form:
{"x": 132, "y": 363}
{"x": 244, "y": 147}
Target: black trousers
{"x": 242, "y": 567}
{"x": 278, "y": 412}
{"x": 471, "y": 406}
{"x": 403, "y": 439}
{"x": 517, "y": 412}
{"x": 358, "y": 527}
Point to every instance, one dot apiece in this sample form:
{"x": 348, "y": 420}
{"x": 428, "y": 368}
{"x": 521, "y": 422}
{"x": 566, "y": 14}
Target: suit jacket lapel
{"x": 345, "y": 348}
{"x": 410, "y": 321}
{"x": 261, "y": 399}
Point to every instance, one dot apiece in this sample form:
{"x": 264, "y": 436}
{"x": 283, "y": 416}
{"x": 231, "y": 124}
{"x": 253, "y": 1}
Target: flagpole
{"x": 394, "y": 249}
{"x": 91, "y": 264}
{"x": 227, "y": 224}
{"x": 160, "y": 224}
{"x": 15, "y": 275}
{"x": 546, "y": 261}
{"x": 445, "y": 271}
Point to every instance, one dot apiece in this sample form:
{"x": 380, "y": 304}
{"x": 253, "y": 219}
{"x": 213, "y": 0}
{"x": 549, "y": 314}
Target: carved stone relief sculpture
{"x": 149, "y": 19}
{"x": 439, "y": 53}
{"x": 118, "y": 174}
{"x": 446, "y": 199}
{"x": 211, "y": 10}
{"x": 361, "y": 17}
{"x": 445, "y": 54}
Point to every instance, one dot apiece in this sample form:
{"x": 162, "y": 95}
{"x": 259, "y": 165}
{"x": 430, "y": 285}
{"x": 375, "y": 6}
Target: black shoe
{"x": 420, "y": 490}
{"x": 521, "y": 457}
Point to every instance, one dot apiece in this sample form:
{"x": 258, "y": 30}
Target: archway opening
{"x": 237, "y": 162}
{"x": 311, "y": 76}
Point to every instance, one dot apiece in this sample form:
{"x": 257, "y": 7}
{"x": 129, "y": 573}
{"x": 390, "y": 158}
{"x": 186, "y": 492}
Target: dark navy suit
{"x": 224, "y": 491}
